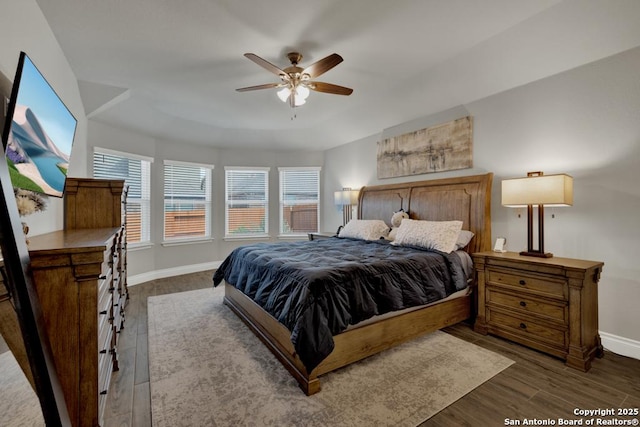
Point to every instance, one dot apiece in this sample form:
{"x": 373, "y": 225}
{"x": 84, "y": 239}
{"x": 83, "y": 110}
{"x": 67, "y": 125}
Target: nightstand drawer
{"x": 542, "y": 285}
{"x": 552, "y": 310}
{"x": 527, "y": 328}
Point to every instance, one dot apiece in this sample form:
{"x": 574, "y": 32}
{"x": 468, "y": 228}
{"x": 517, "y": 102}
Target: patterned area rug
{"x": 207, "y": 368}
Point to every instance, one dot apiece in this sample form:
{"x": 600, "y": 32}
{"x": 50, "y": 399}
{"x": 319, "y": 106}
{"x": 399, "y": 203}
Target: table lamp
{"x": 537, "y": 189}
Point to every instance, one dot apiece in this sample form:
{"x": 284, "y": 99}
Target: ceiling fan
{"x": 296, "y": 82}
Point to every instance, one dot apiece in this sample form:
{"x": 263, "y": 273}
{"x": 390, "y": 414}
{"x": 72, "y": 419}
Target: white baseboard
{"x": 620, "y": 345}
{"x": 170, "y": 272}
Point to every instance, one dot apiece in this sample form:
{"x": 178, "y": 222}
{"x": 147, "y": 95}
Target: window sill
{"x": 246, "y": 237}
{"x": 304, "y": 236}
{"x": 131, "y": 247}
{"x": 182, "y": 242}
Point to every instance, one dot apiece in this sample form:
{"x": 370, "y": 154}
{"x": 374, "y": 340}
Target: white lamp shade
{"x": 284, "y": 93}
{"x": 548, "y": 190}
{"x": 298, "y": 101}
{"x": 302, "y": 92}
{"x": 346, "y": 197}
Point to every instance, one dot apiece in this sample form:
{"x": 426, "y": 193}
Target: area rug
{"x": 207, "y": 368}
{"x": 19, "y": 405}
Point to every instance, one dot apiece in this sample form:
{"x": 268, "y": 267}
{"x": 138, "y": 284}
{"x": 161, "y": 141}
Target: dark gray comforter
{"x": 318, "y": 288}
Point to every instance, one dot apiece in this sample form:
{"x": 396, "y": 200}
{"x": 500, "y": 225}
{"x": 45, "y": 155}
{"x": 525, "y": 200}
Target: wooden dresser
{"x": 101, "y": 203}
{"x": 550, "y": 304}
{"x": 74, "y": 276}
{"x": 80, "y": 276}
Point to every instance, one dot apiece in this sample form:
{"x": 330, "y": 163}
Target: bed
{"x": 465, "y": 199}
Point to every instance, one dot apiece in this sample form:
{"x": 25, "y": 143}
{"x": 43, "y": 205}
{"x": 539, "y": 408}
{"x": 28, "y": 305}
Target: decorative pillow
{"x": 366, "y": 229}
{"x": 464, "y": 238}
{"x": 438, "y": 235}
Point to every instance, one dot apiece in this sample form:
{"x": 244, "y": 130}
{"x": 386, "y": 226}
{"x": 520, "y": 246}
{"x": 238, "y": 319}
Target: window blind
{"x": 187, "y": 201}
{"x": 136, "y": 173}
{"x": 246, "y": 200}
{"x": 299, "y": 200}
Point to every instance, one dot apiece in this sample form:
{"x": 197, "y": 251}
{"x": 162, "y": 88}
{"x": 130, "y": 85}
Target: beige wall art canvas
{"x": 439, "y": 148}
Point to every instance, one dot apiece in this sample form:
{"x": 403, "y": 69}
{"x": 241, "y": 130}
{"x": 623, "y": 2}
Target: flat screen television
{"x": 38, "y": 133}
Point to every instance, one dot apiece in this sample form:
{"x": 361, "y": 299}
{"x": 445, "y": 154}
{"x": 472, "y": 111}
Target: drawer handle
{"x": 522, "y": 282}
{"x": 103, "y": 351}
{"x": 523, "y": 326}
{"x": 523, "y": 304}
{"x": 103, "y": 392}
{"x": 111, "y": 289}
{"x": 102, "y": 277}
{"x": 103, "y": 312}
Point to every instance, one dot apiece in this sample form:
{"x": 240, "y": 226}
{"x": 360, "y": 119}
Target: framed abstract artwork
{"x": 444, "y": 147}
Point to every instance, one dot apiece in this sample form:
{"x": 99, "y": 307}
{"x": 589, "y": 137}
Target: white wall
{"x": 584, "y": 122}
{"x": 24, "y": 28}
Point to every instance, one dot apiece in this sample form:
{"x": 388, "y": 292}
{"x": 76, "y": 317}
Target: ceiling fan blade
{"x": 264, "y": 86}
{"x": 267, "y": 65}
{"x": 322, "y": 66}
{"x": 330, "y": 88}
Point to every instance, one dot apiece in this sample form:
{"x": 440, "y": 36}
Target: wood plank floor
{"x": 536, "y": 386}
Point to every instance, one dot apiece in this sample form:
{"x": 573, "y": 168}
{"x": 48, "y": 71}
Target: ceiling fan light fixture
{"x": 296, "y": 82}
{"x": 300, "y": 94}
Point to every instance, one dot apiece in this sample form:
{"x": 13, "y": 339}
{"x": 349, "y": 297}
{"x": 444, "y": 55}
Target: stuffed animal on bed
{"x": 396, "y": 219}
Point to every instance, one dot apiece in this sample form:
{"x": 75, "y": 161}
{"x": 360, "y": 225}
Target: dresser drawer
{"x": 104, "y": 325}
{"x": 549, "y": 286}
{"x": 526, "y": 303}
{"x": 118, "y": 313}
{"x": 103, "y": 289}
{"x": 528, "y": 328}
{"x": 105, "y": 369}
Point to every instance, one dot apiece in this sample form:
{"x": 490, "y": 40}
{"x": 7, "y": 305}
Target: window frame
{"x": 208, "y": 203}
{"x": 282, "y": 171}
{"x": 144, "y": 201}
{"x": 257, "y": 235}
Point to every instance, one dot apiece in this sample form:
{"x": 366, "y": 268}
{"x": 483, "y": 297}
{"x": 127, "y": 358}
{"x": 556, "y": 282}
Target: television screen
{"x": 38, "y": 133}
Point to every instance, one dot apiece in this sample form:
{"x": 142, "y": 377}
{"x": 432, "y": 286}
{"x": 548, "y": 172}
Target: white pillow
{"x": 464, "y": 238}
{"x": 366, "y": 229}
{"x": 438, "y": 235}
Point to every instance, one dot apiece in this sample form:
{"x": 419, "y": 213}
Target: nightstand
{"x": 321, "y": 235}
{"x": 549, "y": 304}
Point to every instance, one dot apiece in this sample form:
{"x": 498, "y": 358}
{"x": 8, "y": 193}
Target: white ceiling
{"x": 170, "y": 68}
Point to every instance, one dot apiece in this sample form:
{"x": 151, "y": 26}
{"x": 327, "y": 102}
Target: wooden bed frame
{"x": 464, "y": 198}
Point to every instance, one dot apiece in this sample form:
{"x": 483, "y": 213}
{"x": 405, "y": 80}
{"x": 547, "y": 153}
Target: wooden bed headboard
{"x": 466, "y": 198}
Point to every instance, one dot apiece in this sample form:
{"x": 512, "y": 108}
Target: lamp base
{"x": 537, "y": 254}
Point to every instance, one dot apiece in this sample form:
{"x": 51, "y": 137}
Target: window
{"x": 136, "y": 171}
{"x": 246, "y": 202}
{"x": 187, "y": 200}
{"x": 299, "y": 200}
